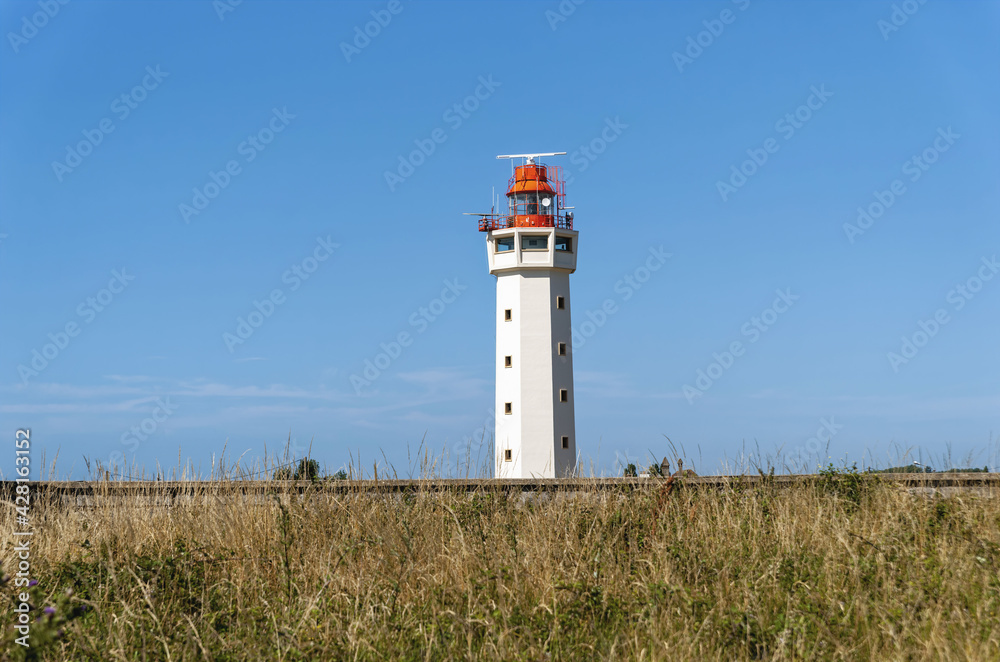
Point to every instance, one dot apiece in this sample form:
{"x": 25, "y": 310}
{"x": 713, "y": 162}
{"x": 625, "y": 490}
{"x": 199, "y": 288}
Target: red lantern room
{"x": 536, "y": 197}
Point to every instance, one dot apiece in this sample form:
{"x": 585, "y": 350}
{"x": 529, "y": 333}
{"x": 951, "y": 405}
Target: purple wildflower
{"x": 33, "y": 582}
{"x": 49, "y": 610}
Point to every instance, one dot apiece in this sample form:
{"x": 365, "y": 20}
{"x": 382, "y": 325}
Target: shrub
{"x": 307, "y": 469}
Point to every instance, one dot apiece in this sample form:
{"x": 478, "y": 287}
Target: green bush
{"x": 307, "y": 469}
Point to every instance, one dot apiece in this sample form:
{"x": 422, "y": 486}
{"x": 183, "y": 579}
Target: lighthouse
{"x": 531, "y": 250}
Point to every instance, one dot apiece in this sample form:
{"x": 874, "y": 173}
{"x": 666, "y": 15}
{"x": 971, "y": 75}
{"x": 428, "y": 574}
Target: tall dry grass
{"x": 842, "y": 568}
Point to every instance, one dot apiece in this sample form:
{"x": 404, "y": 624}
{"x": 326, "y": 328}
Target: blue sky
{"x": 234, "y": 153}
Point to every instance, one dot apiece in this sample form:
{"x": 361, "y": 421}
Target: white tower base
{"x": 535, "y": 423}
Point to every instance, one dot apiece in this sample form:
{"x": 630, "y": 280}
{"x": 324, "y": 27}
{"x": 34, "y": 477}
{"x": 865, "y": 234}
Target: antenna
{"x": 531, "y": 157}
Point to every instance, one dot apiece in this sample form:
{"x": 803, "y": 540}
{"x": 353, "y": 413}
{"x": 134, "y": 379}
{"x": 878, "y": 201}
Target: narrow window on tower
{"x": 560, "y": 303}
{"x": 508, "y": 407}
{"x": 563, "y": 395}
{"x": 508, "y": 361}
{"x": 508, "y": 455}
{"x": 565, "y": 442}
{"x": 508, "y": 315}
{"x": 562, "y": 349}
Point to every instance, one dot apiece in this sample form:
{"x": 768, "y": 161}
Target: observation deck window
{"x": 534, "y": 242}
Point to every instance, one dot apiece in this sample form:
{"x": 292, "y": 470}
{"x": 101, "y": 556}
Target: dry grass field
{"x": 843, "y": 568}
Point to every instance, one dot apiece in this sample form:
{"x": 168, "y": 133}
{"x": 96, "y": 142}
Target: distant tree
{"x": 307, "y": 470}
{"x": 340, "y": 475}
{"x": 630, "y": 471}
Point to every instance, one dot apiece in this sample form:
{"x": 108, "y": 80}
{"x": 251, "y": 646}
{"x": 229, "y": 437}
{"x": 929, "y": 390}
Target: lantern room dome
{"x": 530, "y": 178}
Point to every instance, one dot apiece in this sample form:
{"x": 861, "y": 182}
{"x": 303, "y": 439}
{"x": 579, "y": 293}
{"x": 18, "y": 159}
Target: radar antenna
{"x": 530, "y": 157}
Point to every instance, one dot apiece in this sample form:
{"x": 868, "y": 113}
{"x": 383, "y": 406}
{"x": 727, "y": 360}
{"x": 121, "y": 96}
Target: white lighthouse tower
{"x": 532, "y": 251}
